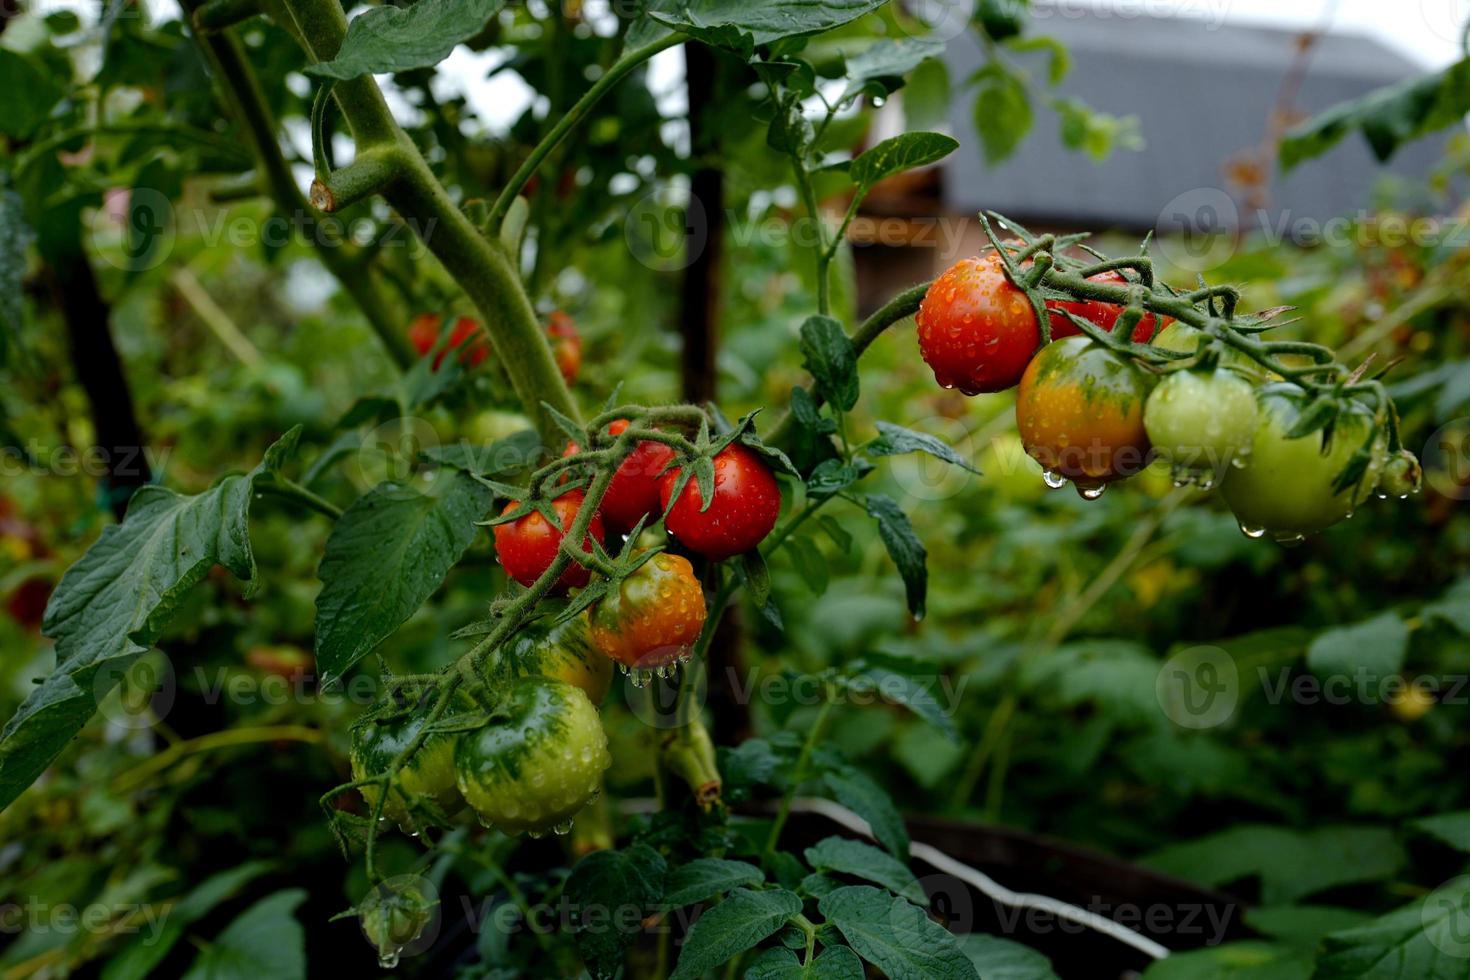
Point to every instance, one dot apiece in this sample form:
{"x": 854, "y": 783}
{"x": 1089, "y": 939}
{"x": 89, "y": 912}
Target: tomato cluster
{"x": 1094, "y": 413}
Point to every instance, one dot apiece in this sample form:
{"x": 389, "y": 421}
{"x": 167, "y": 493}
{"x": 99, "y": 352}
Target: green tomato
{"x": 538, "y": 762}
{"x": 1402, "y": 475}
{"x": 428, "y": 776}
{"x": 562, "y": 652}
{"x": 1184, "y": 339}
{"x": 1200, "y": 422}
{"x": 1284, "y": 487}
{"x": 395, "y": 914}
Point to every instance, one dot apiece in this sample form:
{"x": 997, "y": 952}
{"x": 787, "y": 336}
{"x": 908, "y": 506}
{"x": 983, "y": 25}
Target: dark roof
{"x": 1203, "y": 94}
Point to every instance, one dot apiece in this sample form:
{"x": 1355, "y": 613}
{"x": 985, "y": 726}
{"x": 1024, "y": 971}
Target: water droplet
{"x": 1288, "y": 539}
{"x": 563, "y": 828}
{"x": 1054, "y": 480}
{"x": 1254, "y": 533}
{"x": 1090, "y": 491}
{"x": 535, "y": 834}
{"x": 388, "y": 959}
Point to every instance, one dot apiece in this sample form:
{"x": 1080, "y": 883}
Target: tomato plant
{"x": 702, "y": 584}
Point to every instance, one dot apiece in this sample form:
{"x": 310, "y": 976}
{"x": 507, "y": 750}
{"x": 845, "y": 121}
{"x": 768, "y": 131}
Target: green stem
{"x": 568, "y": 122}
{"x": 897, "y": 309}
{"x": 479, "y": 266}
{"x": 798, "y": 775}
{"x": 288, "y": 490}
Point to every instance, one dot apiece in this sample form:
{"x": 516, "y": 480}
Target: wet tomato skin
{"x": 1079, "y": 410}
{"x": 747, "y": 501}
{"x": 977, "y": 330}
{"x": 654, "y": 617}
{"x": 633, "y": 494}
{"x": 528, "y": 545}
{"x": 1285, "y": 487}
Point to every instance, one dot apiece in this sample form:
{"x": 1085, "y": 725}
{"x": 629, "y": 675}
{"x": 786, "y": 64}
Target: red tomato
{"x": 1103, "y": 314}
{"x": 977, "y": 330}
{"x": 528, "y": 545}
{"x": 423, "y": 334}
{"x": 566, "y": 344}
{"x": 633, "y": 493}
{"x": 746, "y": 503}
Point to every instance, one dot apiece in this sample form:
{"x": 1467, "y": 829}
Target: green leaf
{"x": 143, "y": 951}
{"x": 607, "y": 880}
{"x": 1235, "y": 961}
{"x": 389, "y": 552}
{"x": 810, "y": 564}
{"x": 1001, "y": 20}
{"x": 116, "y": 600}
{"x": 926, "y": 98}
{"x": 904, "y": 547}
{"x": 1452, "y": 828}
{"x": 881, "y": 66}
{"x": 833, "y": 963}
{"x": 895, "y": 681}
{"x": 790, "y": 130}
{"x": 1095, "y": 133}
{"x": 1001, "y": 959}
{"x": 741, "y": 25}
{"x": 828, "y": 354}
{"x": 757, "y": 576}
{"x": 899, "y": 153}
{"x": 704, "y": 878}
{"x": 851, "y": 857}
{"x": 389, "y": 39}
{"x": 30, "y": 94}
{"x": 1291, "y": 864}
{"x": 1425, "y": 940}
{"x": 1002, "y": 111}
{"x": 858, "y": 792}
{"x": 1374, "y": 649}
{"x": 831, "y": 476}
{"x": 1303, "y": 926}
{"x": 728, "y": 929}
{"x": 895, "y": 936}
{"x": 265, "y": 941}
{"x": 895, "y": 440}
{"x": 1387, "y": 117}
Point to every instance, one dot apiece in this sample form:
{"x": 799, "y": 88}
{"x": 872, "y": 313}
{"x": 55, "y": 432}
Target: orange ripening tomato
{"x": 566, "y": 344}
{"x": 653, "y": 618}
{"x": 1080, "y": 413}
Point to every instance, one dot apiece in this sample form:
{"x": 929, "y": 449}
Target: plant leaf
{"x": 116, "y": 600}
{"x": 852, "y": 857}
{"x": 389, "y": 39}
{"x": 728, "y": 929}
{"x": 895, "y": 440}
{"x": 904, "y": 547}
{"x": 895, "y": 935}
{"x": 704, "y": 878}
{"x": 899, "y": 153}
{"x": 610, "y": 880}
{"x": 389, "y": 553}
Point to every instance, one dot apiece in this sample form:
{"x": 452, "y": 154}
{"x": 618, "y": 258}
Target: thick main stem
{"x": 480, "y": 268}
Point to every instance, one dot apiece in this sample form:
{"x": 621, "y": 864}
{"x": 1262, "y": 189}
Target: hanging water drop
{"x": 1090, "y": 491}
{"x": 388, "y": 959}
{"x": 1054, "y": 480}
{"x": 1254, "y": 533}
{"x": 563, "y": 828}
